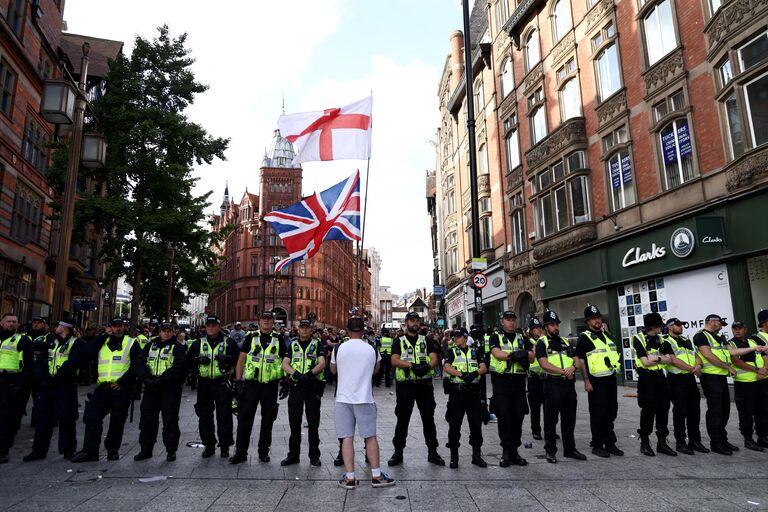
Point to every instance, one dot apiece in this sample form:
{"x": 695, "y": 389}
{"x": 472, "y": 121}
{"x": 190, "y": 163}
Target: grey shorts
{"x": 349, "y": 415}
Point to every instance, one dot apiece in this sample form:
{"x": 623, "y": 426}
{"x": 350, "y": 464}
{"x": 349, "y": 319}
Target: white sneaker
{"x": 492, "y": 418}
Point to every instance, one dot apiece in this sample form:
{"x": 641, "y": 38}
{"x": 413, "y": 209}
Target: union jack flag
{"x": 333, "y": 214}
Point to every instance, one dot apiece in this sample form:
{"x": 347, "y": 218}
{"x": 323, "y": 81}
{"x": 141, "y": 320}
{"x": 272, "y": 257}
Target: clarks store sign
{"x": 636, "y": 255}
{"x": 681, "y": 244}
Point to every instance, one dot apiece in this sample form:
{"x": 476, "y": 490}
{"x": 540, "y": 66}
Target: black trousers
{"x": 511, "y": 406}
{"x": 463, "y": 402}
{"x": 56, "y": 403}
{"x": 14, "y": 395}
{"x": 603, "y": 409}
{"x": 535, "y": 401}
{"x": 256, "y": 394}
{"x": 715, "y": 389}
{"x": 213, "y": 395}
{"x": 304, "y": 398}
{"x": 102, "y": 402}
{"x": 162, "y": 400}
{"x": 653, "y": 399}
{"x": 752, "y": 405}
{"x": 385, "y": 370}
{"x": 559, "y": 401}
{"x": 422, "y": 394}
{"x": 686, "y": 412}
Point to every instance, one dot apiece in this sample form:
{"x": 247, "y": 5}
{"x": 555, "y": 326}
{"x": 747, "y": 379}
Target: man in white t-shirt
{"x": 355, "y": 362}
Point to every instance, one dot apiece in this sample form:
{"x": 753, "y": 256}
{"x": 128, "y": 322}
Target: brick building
{"x": 323, "y": 285}
{"x": 31, "y": 46}
{"x": 634, "y": 164}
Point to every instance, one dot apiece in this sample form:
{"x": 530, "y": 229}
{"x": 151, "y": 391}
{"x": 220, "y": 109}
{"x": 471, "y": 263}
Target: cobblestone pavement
{"x": 634, "y": 482}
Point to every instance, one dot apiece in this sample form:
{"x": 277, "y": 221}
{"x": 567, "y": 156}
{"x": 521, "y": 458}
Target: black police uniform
{"x": 686, "y": 399}
{"x": 305, "y": 395}
{"x": 162, "y": 397}
{"x": 14, "y": 393}
{"x": 213, "y": 395}
{"x": 716, "y": 392}
{"x": 464, "y": 399}
{"x": 653, "y": 395}
{"x": 40, "y": 338}
{"x": 535, "y": 391}
{"x": 108, "y": 401}
{"x": 56, "y": 396}
{"x": 509, "y": 398}
{"x": 258, "y": 394}
{"x": 603, "y": 400}
{"x": 751, "y": 398}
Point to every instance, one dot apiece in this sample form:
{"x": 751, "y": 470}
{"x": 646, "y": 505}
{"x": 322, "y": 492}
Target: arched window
{"x": 570, "y": 100}
{"x": 507, "y": 78}
{"x": 562, "y": 22}
{"x": 532, "y": 50}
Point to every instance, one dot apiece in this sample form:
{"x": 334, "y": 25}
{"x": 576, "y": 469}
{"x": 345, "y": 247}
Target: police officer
{"x": 56, "y": 395}
{"x": 510, "y": 357}
{"x": 117, "y": 355}
{"x": 41, "y": 337}
{"x": 386, "y": 359}
{"x": 414, "y": 358}
{"x": 685, "y": 366}
{"x": 535, "y": 380}
{"x": 213, "y": 358}
{"x": 749, "y": 387}
{"x": 555, "y": 355}
{"x": 161, "y": 370}
{"x": 598, "y": 359}
{"x": 762, "y": 335}
{"x": 258, "y": 373}
{"x": 16, "y": 369}
{"x": 462, "y": 367}
{"x": 304, "y": 362}
{"x": 716, "y": 356}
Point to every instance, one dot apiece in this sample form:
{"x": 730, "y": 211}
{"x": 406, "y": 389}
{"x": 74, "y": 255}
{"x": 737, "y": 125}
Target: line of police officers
{"x": 267, "y": 368}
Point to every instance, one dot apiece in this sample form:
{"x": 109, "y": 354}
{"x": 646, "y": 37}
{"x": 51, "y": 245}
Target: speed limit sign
{"x": 479, "y": 280}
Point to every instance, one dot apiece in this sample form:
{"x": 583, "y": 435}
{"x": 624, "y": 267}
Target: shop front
{"x": 713, "y": 262}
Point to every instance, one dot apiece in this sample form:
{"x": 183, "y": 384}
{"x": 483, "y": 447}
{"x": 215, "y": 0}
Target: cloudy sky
{"x": 317, "y": 54}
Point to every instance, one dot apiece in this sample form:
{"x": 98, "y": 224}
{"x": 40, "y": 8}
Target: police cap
{"x": 550, "y": 317}
{"x": 166, "y": 325}
{"x": 591, "y": 311}
{"x": 305, "y": 323}
{"x": 762, "y": 317}
{"x": 460, "y": 331}
{"x": 509, "y": 314}
{"x": 651, "y": 320}
{"x": 267, "y": 315}
{"x": 533, "y": 323}
{"x": 412, "y": 314}
{"x": 116, "y": 321}
{"x": 212, "y": 319}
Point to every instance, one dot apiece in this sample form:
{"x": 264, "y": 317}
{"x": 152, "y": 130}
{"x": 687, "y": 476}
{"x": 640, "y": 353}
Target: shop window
{"x": 659, "y": 31}
{"x": 511, "y": 143}
{"x": 561, "y": 19}
{"x": 532, "y": 51}
{"x": 507, "y": 77}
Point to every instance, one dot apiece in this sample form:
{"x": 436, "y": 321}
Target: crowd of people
{"x": 239, "y": 372}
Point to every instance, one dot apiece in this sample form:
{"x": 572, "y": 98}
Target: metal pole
{"x": 68, "y": 207}
{"x": 362, "y": 240}
{"x": 473, "y": 193}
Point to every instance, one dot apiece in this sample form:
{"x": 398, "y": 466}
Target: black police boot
{"x": 749, "y": 444}
{"x": 83, "y": 456}
{"x": 396, "y": 459}
{"x": 645, "y": 447}
{"x": 238, "y": 457}
{"x": 663, "y": 447}
{"x": 339, "y": 460}
{"x": 516, "y": 459}
{"x": 506, "y": 459}
{"x": 731, "y": 446}
{"x": 170, "y": 456}
{"x": 454, "y": 458}
{"x": 698, "y": 447}
{"x": 600, "y": 452}
{"x": 264, "y": 456}
{"x": 551, "y": 458}
{"x": 614, "y": 450}
{"x": 575, "y": 454}
{"x": 477, "y": 458}
{"x": 536, "y": 436}
{"x": 208, "y": 452}
{"x": 316, "y": 462}
{"x": 68, "y": 456}
{"x": 682, "y": 447}
{"x": 113, "y": 455}
{"x": 721, "y": 449}
{"x": 224, "y": 452}
{"x": 40, "y": 456}
{"x": 434, "y": 457}
{"x": 143, "y": 455}
{"x": 290, "y": 460}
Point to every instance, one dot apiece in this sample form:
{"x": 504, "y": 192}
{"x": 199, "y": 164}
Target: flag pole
{"x": 362, "y": 239}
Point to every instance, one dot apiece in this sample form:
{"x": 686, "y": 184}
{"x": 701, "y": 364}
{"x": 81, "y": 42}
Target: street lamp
{"x": 63, "y": 104}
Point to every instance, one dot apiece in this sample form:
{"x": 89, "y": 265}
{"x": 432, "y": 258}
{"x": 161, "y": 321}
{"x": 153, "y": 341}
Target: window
{"x": 450, "y": 202}
{"x": 757, "y": 108}
{"x": 677, "y": 153}
{"x": 618, "y": 136}
{"x": 608, "y": 74}
{"x": 501, "y": 14}
{"x": 482, "y": 160}
{"x": 562, "y": 19}
{"x": 486, "y": 233}
{"x": 485, "y": 205}
{"x": 15, "y": 17}
{"x": 538, "y": 124}
{"x": 564, "y": 197}
{"x": 34, "y": 145}
{"x": 518, "y": 231}
{"x": 507, "y": 78}
{"x": 479, "y": 97}
{"x": 532, "y": 50}
{"x": 724, "y": 70}
{"x": 714, "y": 5}
{"x": 735, "y": 131}
{"x": 754, "y": 52}
{"x": 27, "y": 215}
{"x": 619, "y": 168}
{"x": 511, "y": 143}
{"x": 659, "y": 31}
{"x": 254, "y": 265}
{"x": 570, "y": 101}
{"x": 453, "y": 261}
{"x": 7, "y": 86}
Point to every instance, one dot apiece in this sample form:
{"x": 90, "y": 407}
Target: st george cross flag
{"x": 332, "y": 134}
{"x": 332, "y": 214}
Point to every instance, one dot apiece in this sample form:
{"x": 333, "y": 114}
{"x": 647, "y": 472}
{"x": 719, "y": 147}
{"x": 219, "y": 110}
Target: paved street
{"x": 634, "y": 482}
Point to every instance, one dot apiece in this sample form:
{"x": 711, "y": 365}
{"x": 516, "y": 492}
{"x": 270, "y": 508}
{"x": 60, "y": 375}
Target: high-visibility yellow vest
{"x": 649, "y": 352}
{"x": 487, "y": 344}
{"x": 720, "y": 350}
{"x": 386, "y": 345}
{"x": 11, "y": 355}
{"x": 304, "y": 360}
{"x": 142, "y": 341}
{"x": 464, "y": 361}
{"x": 58, "y": 354}
{"x": 160, "y": 359}
{"x": 596, "y": 358}
{"x": 114, "y": 364}
{"x": 748, "y": 375}
{"x": 415, "y": 355}
{"x": 507, "y": 346}
{"x": 266, "y": 360}
{"x": 559, "y": 359}
{"x": 763, "y": 335}
{"x": 535, "y": 367}
{"x": 213, "y": 369}
{"x": 686, "y": 355}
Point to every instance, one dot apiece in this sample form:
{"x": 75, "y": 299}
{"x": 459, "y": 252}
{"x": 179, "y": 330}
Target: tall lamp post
{"x": 64, "y": 103}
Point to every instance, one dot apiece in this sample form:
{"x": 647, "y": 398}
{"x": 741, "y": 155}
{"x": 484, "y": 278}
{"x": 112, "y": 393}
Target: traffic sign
{"x": 479, "y": 280}
{"x": 439, "y": 290}
{"x": 479, "y": 263}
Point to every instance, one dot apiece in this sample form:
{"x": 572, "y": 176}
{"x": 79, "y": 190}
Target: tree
{"x": 142, "y": 203}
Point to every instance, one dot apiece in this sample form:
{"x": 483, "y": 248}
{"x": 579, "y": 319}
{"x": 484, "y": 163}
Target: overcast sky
{"x": 318, "y": 54}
